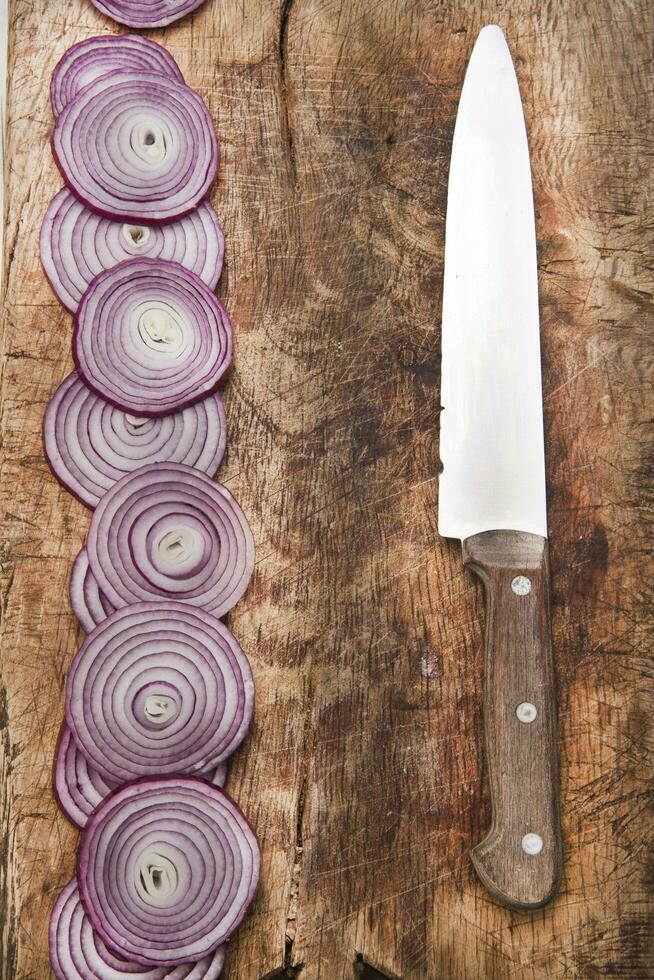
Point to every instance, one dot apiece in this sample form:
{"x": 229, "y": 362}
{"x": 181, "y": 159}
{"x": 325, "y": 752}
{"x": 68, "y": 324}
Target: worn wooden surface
{"x": 363, "y": 774}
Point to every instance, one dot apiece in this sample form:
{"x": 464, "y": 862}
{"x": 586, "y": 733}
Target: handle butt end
{"x": 525, "y": 882}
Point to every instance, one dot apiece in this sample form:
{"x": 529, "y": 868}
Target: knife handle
{"x": 520, "y": 861}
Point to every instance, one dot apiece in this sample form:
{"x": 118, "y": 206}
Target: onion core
{"x": 90, "y": 445}
{"x": 167, "y": 869}
{"x": 136, "y": 147}
{"x": 77, "y": 245}
{"x": 159, "y": 688}
{"x": 151, "y": 338}
{"x": 167, "y": 531}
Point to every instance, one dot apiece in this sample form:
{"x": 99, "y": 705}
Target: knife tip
{"x": 491, "y": 44}
{"x": 490, "y": 31}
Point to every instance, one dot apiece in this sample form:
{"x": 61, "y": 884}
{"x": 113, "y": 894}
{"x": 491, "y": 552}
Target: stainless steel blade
{"x": 492, "y": 421}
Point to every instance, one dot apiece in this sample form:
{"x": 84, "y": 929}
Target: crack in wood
{"x": 285, "y": 973}
{"x": 291, "y": 917}
{"x": 365, "y": 971}
{"x": 282, "y": 50}
{"x": 4, "y": 603}
{"x": 8, "y": 932}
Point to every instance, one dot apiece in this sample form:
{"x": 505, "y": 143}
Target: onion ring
{"x": 90, "y": 445}
{"x": 151, "y": 338}
{"x": 219, "y": 776}
{"x": 167, "y": 869}
{"x": 88, "y": 603}
{"x": 78, "y": 953}
{"x": 158, "y": 688}
{"x": 80, "y": 789}
{"x": 77, "y": 245}
{"x": 136, "y": 147}
{"x": 146, "y": 13}
{"x": 167, "y": 531}
{"x": 95, "y": 56}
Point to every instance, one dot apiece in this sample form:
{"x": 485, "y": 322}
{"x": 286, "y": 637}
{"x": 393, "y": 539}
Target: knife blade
{"x": 492, "y": 486}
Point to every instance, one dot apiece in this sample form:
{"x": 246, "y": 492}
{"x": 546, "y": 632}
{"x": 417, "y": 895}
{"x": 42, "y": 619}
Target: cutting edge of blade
{"x": 519, "y": 504}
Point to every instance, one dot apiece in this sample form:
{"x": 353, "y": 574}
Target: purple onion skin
{"x": 64, "y": 459}
{"x": 89, "y": 180}
{"x": 76, "y": 245}
{"x": 89, "y": 616}
{"x": 130, "y": 568}
{"x": 95, "y": 56}
{"x": 170, "y": 653}
{"x": 153, "y": 952}
{"x": 78, "y": 953}
{"x": 214, "y": 332}
{"x": 79, "y": 815}
{"x": 74, "y": 812}
{"x": 220, "y": 775}
{"x": 137, "y": 13}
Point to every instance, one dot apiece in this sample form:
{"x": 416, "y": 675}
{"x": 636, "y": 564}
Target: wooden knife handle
{"x": 520, "y": 861}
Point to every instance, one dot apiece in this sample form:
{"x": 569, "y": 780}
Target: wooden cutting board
{"x": 363, "y": 773}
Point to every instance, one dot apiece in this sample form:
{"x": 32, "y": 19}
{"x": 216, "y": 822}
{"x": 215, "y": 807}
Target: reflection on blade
{"x": 491, "y": 425}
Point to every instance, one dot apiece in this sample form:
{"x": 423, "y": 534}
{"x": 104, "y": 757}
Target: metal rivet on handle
{"x": 532, "y": 844}
{"x": 526, "y": 712}
{"x": 521, "y": 585}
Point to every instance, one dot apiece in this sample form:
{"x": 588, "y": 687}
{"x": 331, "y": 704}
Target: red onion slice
{"x": 219, "y": 776}
{"x": 90, "y": 445}
{"x": 77, "y": 245}
{"x": 88, "y": 603}
{"x": 167, "y": 531}
{"x": 78, "y": 953}
{"x": 151, "y": 338}
{"x": 90, "y": 59}
{"x": 167, "y": 869}
{"x": 159, "y": 688}
{"x": 146, "y": 13}
{"x": 80, "y": 789}
{"x": 136, "y": 147}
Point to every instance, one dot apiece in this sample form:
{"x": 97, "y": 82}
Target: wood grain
{"x": 364, "y": 774}
{"x": 521, "y": 755}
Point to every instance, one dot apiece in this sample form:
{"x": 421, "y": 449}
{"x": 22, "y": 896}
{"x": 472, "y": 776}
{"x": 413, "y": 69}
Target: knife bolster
{"x": 520, "y": 860}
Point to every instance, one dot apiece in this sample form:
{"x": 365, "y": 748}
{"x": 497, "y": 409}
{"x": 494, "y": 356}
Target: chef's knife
{"x": 492, "y": 488}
